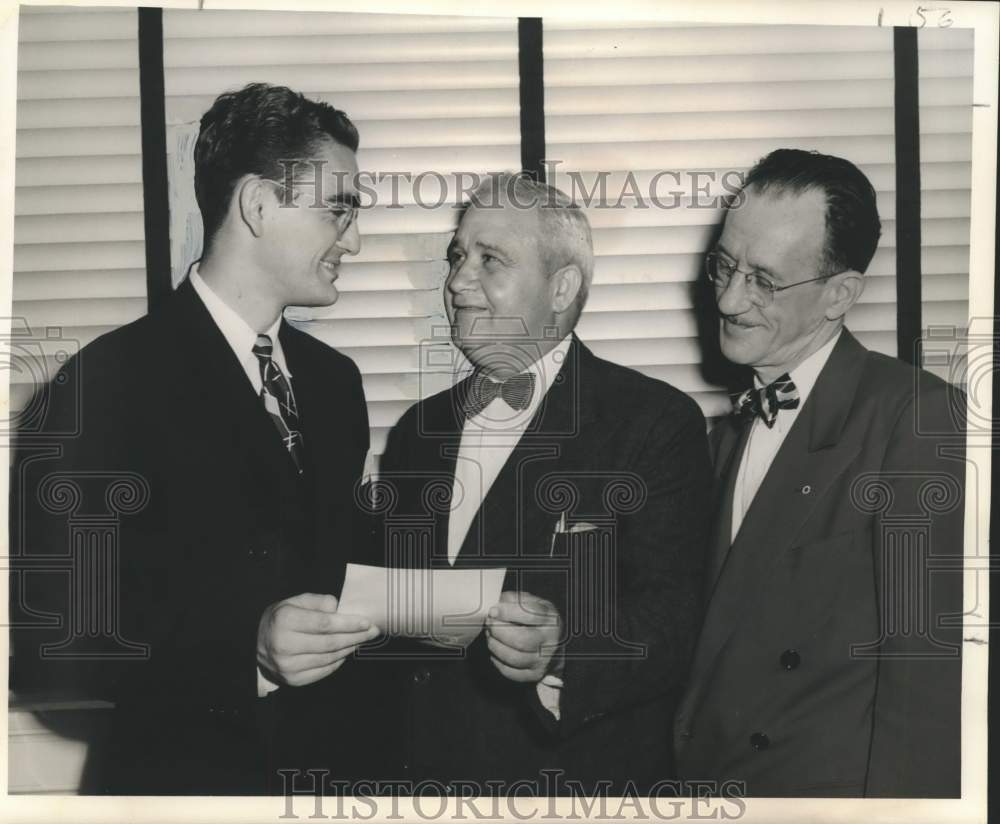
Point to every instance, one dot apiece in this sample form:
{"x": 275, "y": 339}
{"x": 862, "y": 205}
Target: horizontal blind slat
{"x": 79, "y": 228}
{"x": 80, "y": 83}
{"x": 315, "y": 49}
{"x": 78, "y": 256}
{"x": 714, "y": 68}
{"x": 372, "y": 105}
{"x": 67, "y": 314}
{"x": 59, "y": 113}
{"x": 760, "y": 97}
{"x": 65, "y": 200}
{"x": 216, "y": 23}
{"x": 656, "y": 40}
{"x": 76, "y": 171}
{"x": 80, "y": 284}
{"x": 715, "y": 125}
{"x": 85, "y": 142}
{"x": 95, "y": 24}
{"x": 355, "y": 77}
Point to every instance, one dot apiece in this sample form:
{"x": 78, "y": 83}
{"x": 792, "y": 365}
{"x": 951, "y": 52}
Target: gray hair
{"x": 564, "y": 238}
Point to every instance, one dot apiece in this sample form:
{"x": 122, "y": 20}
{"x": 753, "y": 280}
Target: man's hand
{"x": 523, "y": 633}
{"x": 303, "y": 639}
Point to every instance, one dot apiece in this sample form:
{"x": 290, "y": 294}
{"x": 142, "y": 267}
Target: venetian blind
{"x": 713, "y": 100}
{"x": 946, "y": 195}
{"x": 79, "y": 257}
{"x": 428, "y": 94}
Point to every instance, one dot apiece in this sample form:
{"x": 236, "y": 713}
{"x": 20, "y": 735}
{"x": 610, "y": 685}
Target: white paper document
{"x": 445, "y": 607}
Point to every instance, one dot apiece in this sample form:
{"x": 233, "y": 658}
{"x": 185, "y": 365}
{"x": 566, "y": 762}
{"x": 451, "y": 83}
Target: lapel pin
{"x": 806, "y": 489}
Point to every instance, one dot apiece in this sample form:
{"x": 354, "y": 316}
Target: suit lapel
{"x": 809, "y": 460}
{"x": 212, "y": 381}
{"x": 311, "y": 389}
{"x": 435, "y": 451}
{"x": 806, "y": 463}
{"x": 733, "y": 441}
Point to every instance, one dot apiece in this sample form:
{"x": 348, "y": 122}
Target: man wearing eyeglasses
{"x": 829, "y": 661}
{"x": 240, "y": 439}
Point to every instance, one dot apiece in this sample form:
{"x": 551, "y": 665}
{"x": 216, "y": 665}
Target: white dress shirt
{"x": 238, "y": 333}
{"x": 241, "y": 339}
{"x": 763, "y": 443}
{"x": 488, "y": 438}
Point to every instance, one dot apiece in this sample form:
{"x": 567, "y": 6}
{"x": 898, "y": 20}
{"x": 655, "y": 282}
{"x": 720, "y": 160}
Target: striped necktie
{"x": 278, "y": 399}
{"x": 766, "y": 401}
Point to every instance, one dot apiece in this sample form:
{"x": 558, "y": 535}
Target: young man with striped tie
{"x": 240, "y": 440}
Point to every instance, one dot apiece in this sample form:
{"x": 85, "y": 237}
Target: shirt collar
{"x": 804, "y": 376}
{"x": 237, "y": 332}
{"x": 545, "y": 370}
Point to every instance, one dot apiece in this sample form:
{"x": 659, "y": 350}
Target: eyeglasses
{"x": 760, "y": 289}
{"x": 344, "y": 214}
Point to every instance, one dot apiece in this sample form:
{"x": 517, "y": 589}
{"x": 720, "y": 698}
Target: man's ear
{"x": 565, "y": 286}
{"x": 250, "y": 201}
{"x": 844, "y": 290}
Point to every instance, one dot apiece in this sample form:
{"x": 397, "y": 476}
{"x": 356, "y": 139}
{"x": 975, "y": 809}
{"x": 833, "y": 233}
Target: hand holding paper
{"x": 305, "y": 638}
{"x": 444, "y": 607}
{"x": 523, "y": 634}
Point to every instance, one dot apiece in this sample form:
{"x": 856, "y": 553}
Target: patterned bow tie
{"x": 765, "y": 402}
{"x": 516, "y": 392}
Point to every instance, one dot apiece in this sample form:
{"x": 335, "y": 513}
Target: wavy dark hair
{"x": 248, "y": 132}
{"x": 852, "y": 223}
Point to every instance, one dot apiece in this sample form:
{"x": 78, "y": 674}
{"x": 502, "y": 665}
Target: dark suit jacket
{"x": 829, "y": 662}
{"x": 609, "y": 447}
{"x": 154, "y": 431}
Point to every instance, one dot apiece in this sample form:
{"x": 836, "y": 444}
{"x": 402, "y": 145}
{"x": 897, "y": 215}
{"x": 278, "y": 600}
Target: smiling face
{"x": 306, "y": 233}
{"x": 782, "y": 236}
{"x": 499, "y": 295}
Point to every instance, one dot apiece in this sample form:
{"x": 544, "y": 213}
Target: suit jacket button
{"x": 421, "y": 676}
{"x": 759, "y": 741}
{"x": 790, "y": 659}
